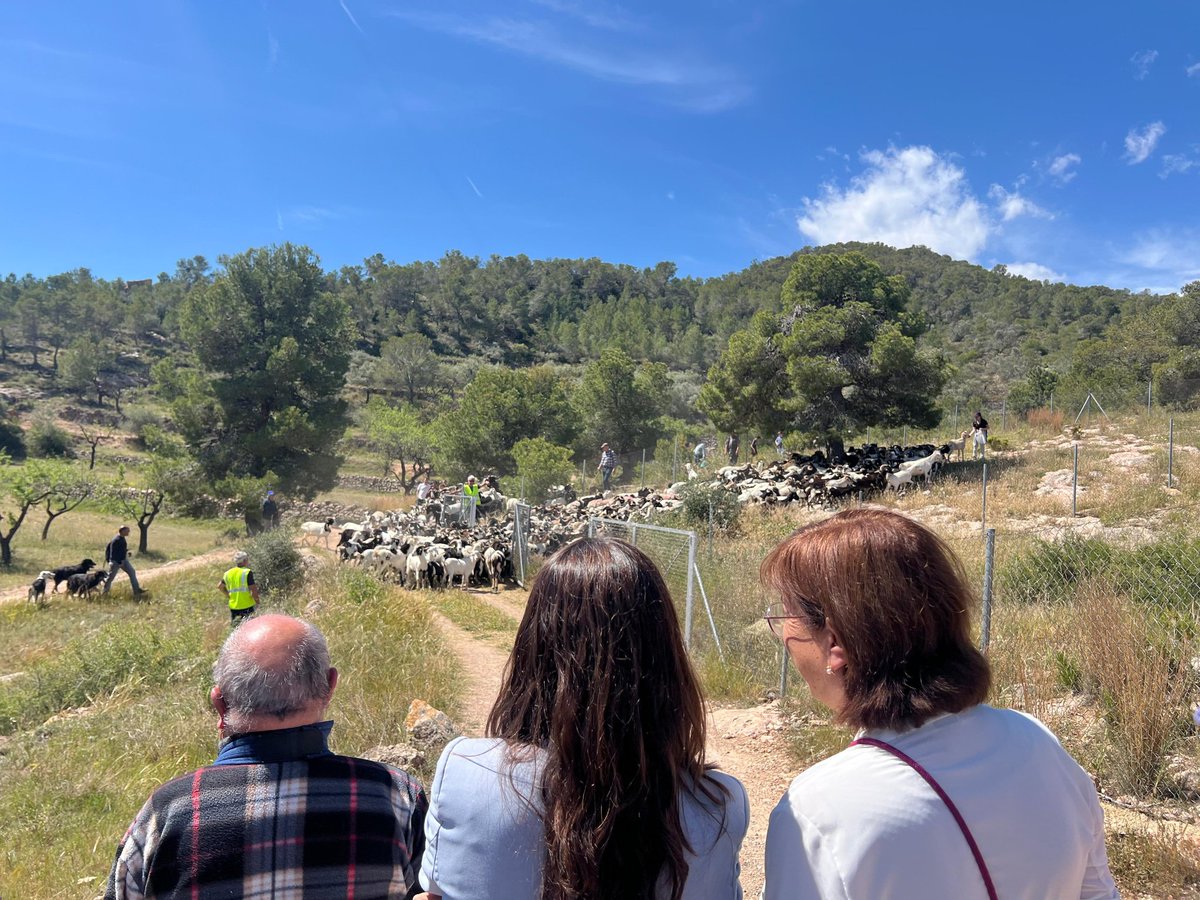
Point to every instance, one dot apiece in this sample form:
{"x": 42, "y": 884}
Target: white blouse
{"x": 864, "y": 825}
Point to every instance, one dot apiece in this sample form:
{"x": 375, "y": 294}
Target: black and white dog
{"x": 37, "y": 590}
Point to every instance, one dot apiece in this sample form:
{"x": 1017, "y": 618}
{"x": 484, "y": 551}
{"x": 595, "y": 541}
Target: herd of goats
{"x": 431, "y": 545}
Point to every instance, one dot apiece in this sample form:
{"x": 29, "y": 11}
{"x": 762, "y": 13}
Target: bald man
{"x": 277, "y": 814}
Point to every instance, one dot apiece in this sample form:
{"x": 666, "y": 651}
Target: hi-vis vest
{"x": 236, "y": 582}
{"x": 471, "y": 491}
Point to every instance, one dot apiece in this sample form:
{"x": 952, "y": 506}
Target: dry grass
{"x": 70, "y": 785}
{"x": 1160, "y": 862}
{"x": 1140, "y": 689}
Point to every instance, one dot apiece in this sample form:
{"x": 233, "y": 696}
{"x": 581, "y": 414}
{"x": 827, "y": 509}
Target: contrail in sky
{"x": 350, "y": 16}
{"x": 478, "y": 192}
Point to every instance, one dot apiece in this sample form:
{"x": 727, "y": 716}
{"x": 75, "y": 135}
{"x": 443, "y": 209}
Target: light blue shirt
{"x": 484, "y": 839}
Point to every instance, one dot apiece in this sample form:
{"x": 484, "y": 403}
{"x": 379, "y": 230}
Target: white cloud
{"x": 272, "y": 49}
{"x": 1193, "y": 71}
{"x": 1165, "y": 256}
{"x": 1061, "y": 167}
{"x": 696, "y": 85}
{"x": 1012, "y": 205}
{"x": 597, "y": 15}
{"x": 1034, "y": 271}
{"x": 1142, "y": 61}
{"x": 1140, "y": 144}
{"x": 1176, "y": 164}
{"x": 904, "y": 197}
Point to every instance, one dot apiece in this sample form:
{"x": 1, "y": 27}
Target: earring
{"x": 829, "y": 670}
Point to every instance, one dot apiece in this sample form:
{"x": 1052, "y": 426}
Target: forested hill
{"x": 992, "y": 325}
{"x": 516, "y": 311}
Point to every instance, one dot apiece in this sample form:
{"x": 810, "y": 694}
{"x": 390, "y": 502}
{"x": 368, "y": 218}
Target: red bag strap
{"x": 937, "y": 789}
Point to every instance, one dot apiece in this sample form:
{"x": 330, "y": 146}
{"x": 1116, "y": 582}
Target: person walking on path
{"x": 116, "y": 555}
{"x": 754, "y": 449}
{"x": 731, "y": 447}
{"x": 239, "y": 588}
{"x": 270, "y": 512}
{"x": 608, "y": 462}
{"x": 699, "y": 454}
{"x": 779, "y": 443}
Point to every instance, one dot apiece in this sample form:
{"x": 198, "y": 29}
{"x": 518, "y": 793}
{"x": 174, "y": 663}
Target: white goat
{"x": 896, "y": 481}
{"x": 318, "y": 529}
{"x": 462, "y": 568}
{"x": 959, "y": 446}
{"x": 923, "y": 466}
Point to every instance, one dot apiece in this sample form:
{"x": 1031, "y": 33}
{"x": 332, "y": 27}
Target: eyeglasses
{"x": 774, "y": 615}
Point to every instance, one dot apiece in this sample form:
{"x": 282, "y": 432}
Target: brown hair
{"x": 896, "y": 598}
{"x": 599, "y": 678}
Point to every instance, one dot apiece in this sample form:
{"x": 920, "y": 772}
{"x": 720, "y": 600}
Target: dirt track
{"x": 145, "y": 576}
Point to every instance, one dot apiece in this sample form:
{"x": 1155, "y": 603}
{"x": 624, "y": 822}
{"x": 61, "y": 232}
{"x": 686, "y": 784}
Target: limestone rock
{"x": 428, "y": 728}
{"x": 401, "y": 756}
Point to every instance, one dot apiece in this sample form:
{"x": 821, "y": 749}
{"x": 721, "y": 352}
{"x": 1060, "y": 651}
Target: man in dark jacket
{"x": 116, "y": 555}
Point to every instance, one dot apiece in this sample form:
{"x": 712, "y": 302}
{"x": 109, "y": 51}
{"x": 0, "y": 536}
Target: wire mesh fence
{"x": 672, "y": 550}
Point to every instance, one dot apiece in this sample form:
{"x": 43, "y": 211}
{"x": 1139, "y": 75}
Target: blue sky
{"x": 1060, "y": 139}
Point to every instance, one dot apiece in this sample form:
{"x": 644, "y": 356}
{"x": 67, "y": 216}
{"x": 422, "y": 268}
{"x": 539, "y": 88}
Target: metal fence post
{"x": 1052, "y": 401}
{"x": 1171, "y": 454}
{"x": 710, "y": 527}
{"x": 691, "y": 592}
{"x": 989, "y": 567}
{"x": 675, "y": 462}
{"x": 956, "y": 417}
{"x": 1003, "y": 412}
{"x": 643, "y": 467}
{"x": 783, "y": 671}
{"x": 983, "y": 517}
{"x": 904, "y": 439}
{"x": 1075, "y": 482}
{"x": 1149, "y": 388}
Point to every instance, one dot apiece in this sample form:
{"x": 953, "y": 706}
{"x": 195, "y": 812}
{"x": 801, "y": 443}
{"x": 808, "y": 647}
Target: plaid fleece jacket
{"x": 323, "y": 827}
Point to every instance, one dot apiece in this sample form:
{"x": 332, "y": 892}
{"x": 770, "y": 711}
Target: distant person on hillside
{"x": 700, "y": 454}
{"x": 116, "y": 554}
{"x": 270, "y": 512}
{"x": 423, "y": 490}
{"x": 731, "y": 448}
{"x": 779, "y": 443}
{"x": 754, "y": 449}
{"x": 239, "y": 588}
{"x": 608, "y": 462}
{"x": 979, "y": 427}
{"x": 278, "y": 814}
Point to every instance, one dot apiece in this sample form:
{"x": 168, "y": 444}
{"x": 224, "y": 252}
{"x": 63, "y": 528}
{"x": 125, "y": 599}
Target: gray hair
{"x": 240, "y": 557}
{"x": 252, "y": 690}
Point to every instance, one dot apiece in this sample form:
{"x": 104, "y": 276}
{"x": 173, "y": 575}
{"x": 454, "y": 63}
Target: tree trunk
{"x": 50, "y": 517}
{"x": 836, "y": 448}
{"x": 143, "y": 535}
{"x": 5, "y": 551}
{"x": 92, "y": 460}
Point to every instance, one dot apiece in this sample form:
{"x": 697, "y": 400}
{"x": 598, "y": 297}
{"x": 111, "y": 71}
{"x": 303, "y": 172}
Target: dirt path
{"x": 145, "y": 576}
{"x": 743, "y": 742}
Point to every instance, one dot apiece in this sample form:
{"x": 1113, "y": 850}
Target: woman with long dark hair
{"x": 939, "y": 796}
{"x": 592, "y": 782}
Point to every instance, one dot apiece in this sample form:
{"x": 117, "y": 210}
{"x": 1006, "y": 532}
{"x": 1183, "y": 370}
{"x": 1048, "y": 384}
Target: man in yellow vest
{"x": 471, "y": 501}
{"x": 238, "y": 585}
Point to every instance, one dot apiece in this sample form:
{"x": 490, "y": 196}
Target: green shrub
{"x": 93, "y": 667}
{"x": 275, "y": 561}
{"x": 1052, "y": 570}
{"x": 702, "y": 502}
{"x": 47, "y": 439}
{"x": 12, "y": 439}
{"x": 541, "y": 465}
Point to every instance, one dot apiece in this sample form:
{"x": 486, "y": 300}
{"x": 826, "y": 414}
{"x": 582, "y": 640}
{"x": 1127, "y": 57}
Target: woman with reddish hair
{"x": 939, "y": 796}
{"x": 592, "y": 783}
